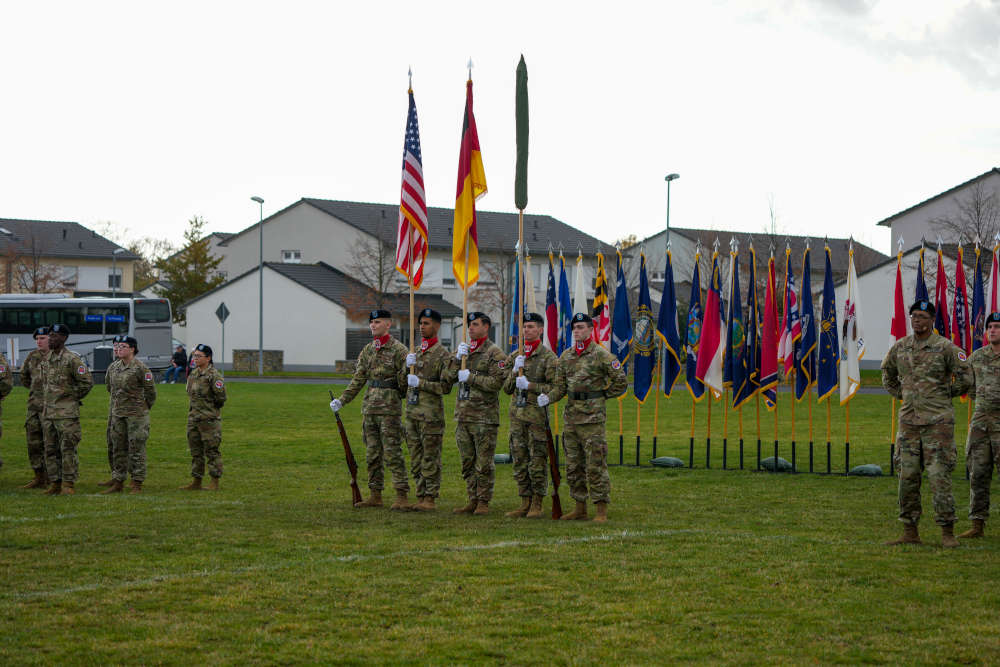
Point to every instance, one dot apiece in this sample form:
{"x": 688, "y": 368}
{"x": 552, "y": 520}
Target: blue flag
{"x": 921, "y": 292}
{"x": 751, "y": 344}
{"x": 621, "y": 323}
{"x": 644, "y": 341}
{"x": 666, "y": 329}
{"x": 693, "y": 333}
{"x": 828, "y": 374}
{"x": 734, "y": 370}
{"x": 978, "y": 306}
{"x": 565, "y": 309}
{"x": 805, "y": 355}
{"x": 515, "y": 310}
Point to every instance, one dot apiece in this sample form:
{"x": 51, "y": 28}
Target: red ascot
{"x": 582, "y": 347}
{"x": 531, "y": 347}
{"x": 381, "y": 342}
{"x": 428, "y": 343}
{"x": 476, "y": 344}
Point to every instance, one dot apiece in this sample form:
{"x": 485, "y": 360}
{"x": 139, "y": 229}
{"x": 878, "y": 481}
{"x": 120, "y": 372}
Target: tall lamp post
{"x": 668, "y": 178}
{"x": 260, "y": 272}
{"x": 114, "y": 270}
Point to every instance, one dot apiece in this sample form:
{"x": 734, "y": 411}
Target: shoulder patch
{"x": 218, "y": 384}
{"x": 81, "y": 370}
{"x": 3, "y": 369}
{"x": 961, "y": 356}
{"x": 502, "y": 364}
{"x": 616, "y": 364}
{"x": 148, "y": 376}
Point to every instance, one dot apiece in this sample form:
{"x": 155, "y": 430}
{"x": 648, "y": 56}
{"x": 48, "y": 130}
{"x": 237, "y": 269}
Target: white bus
{"x": 92, "y": 321}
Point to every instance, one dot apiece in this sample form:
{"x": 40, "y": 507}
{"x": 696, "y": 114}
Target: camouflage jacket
{"x": 132, "y": 388}
{"x": 488, "y": 365}
{"x": 206, "y": 391}
{"x": 67, "y": 381}
{"x": 985, "y": 365}
{"x": 6, "y": 377}
{"x": 430, "y": 368}
{"x": 594, "y": 370}
{"x": 540, "y": 369}
{"x": 925, "y": 375}
{"x": 33, "y": 378}
{"x": 383, "y": 364}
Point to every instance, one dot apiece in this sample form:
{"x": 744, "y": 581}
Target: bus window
{"x": 153, "y": 310}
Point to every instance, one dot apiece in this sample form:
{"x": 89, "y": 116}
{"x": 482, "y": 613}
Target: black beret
{"x": 40, "y": 331}
{"x": 993, "y": 317}
{"x": 534, "y": 317}
{"x": 582, "y": 317}
{"x": 431, "y": 313}
{"x": 381, "y": 312}
{"x": 59, "y": 329}
{"x": 924, "y": 305}
{"x": 204, "y": 349}
{"x": 476, "y": 315}
{"x": 130, "y": 341}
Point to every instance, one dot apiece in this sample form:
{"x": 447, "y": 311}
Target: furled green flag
{"x": 521, "y": 114}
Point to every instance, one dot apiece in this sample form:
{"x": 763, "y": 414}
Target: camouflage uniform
{"x": 924, "y": 375}
{"x": 33, "y": 378}
{"x": 589, "y": 378}
{"x": 982, "y": 451}
{"x": 528, "y": 436}
{"x": 477, "y": 417}
{"x": 133, "y": 391}
{"x": 383, "y": 367}
{"x": 206, "y": 392}
{"x": 66, "y": 381}
{"x": 6, "y": 384}
{"x": 425, "y": 419}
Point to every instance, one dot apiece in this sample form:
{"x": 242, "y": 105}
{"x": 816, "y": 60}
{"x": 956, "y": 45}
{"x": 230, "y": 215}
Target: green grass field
{"x": 694, "y": 565}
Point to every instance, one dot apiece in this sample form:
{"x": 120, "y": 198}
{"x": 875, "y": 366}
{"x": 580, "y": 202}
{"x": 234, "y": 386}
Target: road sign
{"x": 114, "y": 318}
{"x": 222, "y": 312}
{"x": 94, "y": 318}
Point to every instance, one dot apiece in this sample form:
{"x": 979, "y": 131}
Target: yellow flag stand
{"x": 725, "y": 426}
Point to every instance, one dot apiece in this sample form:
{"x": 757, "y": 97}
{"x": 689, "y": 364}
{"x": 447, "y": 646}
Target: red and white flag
{"x": 961, "y": 327}
{"x": 898, "y": 323}
{"x": 992, "y": 295}
{"x": 852, "y": 336}
{"x": 791, "y": 327}
{"x": 411, "y": 236}
{"x": 712, "y": 346}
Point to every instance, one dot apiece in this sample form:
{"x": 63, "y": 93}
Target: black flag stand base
{"x": 708, "y": 453}
{"x": 827, "y": 457}
{"x": 892, "y": 459}
{"x": 810, "y": 456}
{"x": 793, "y": 457}
{"x": 691, "y": 453}
{"x": 741, "y": 453}
{"x": 758, "y": 454}
{"x": 654, "y": 446}
{"x": 847, "y": 458}
{"x": 621, "y": 450}
{"x": 637, "y": 464}
{"x": 725, "y": 448}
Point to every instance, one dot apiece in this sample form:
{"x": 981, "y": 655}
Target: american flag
{"x": 411, "y": 239}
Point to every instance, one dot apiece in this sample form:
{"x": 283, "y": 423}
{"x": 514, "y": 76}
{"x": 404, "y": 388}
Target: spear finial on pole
{"x": 470, "y": 68}
{"x": 899, "y": 244}
{"x": 409, "y": 73}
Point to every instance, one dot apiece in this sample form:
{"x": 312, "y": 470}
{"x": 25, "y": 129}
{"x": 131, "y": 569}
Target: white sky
{"x": 144, "y": 114}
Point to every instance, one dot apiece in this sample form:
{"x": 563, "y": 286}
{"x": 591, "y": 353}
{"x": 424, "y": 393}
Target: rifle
{"x": 352, "y": 465}
{"x": 553, "y": 468}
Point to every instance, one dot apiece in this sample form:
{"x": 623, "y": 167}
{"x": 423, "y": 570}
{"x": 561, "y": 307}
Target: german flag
{"x": 471, "y": 186}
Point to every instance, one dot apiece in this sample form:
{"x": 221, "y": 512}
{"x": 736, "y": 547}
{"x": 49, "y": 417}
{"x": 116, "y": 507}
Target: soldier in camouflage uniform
{"x": 206, "y": 392}
{"x": 382, "y": 365}
{"x": 6, "y": 384}
{"x": 133, "y": 392}
{"x": 66, "y": 381}
{"x": 33, "y": 379}
{"x": 477, "y": 411}
{"x": 425, "y": 409}
{"x": 924, "y": 371}
{"x": 589, "y": 375}
{"x": 528, "y": 422}
{"x": 982, "y": 451}
{"x": 110, "y": 481}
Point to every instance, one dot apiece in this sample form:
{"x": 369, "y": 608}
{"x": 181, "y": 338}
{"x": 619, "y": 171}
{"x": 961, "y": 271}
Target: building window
{"x": 70, "y": 276}
{"x": 291, "y": 256}
{"x": 115, "y": 279}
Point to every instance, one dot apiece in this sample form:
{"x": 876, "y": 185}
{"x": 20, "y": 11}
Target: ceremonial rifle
{"x": 553, "y": 468}
{"x": 352, "y": 465}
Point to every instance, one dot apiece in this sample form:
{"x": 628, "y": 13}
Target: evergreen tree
{"x": 190, "y": 272}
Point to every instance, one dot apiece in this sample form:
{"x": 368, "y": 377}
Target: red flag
{"x": 471, "y": 186}
{"x": 941, "y": 299}
{"x": 551, "y": 310}
{"x": 897, "y": 326}
{"x": 993, "y": 289}
{"x": 961, "y": 329}
{"x": 712, "y": 345}
{"x": 769, "y": 342}
{"x": 791, "y": 327}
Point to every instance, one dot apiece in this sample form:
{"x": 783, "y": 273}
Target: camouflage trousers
{"x": 929, "y": 447}
{"x": 982, "y": 452}
{"x": 61, "y": 439}
{"x": 35, "y": 439}
{"x": 129, "y": 436}
{"x": 204, "y": 439}
{"x": 424, "y": 440}
{"x": 587, "y": 462}
{"x": 529, "y": 449}
{"x": 383, "y": 445}
{"x": 477, "y": 443}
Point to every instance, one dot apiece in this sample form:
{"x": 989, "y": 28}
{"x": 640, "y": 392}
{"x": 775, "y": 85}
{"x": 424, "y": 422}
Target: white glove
{"x": 463, "y": 350}
{"x": 412, "y": 380}
{"x": 463, "y": 375}
{"x": 411, "y": 359}
{"x": 543, "y": 400}
{"x": 521, "y": 382}
{"x": 336, "y": 405}
{"x": 518, "y": 362}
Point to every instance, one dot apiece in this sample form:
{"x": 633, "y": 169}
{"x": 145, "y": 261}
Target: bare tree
{"x": 495, "y": 289}
{"x": 976, "y": 215}
{"x": 25, "y": 268}
{"x": 374, "y": 264}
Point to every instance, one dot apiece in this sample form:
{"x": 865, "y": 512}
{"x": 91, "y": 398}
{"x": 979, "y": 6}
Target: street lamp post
{"x": 114, "y": 270}
{"x": 668, "y": 178}
{"x": 260, "y": 272}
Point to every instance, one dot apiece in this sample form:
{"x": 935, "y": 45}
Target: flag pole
{"x": 621, "y": 434}
{"x": 758, "y": 430}
{"x": 708, "y": 432}
{"x": 638, "y": 429}
{"x": 725, "y": 425}
{"x": 691, "y": 443}
{"x": 656, "y": 402}
{"x": 847, "y": 439}
{"x": 809, "y": 399}
{"x": 774, "y": 466}
{"x": 828, "y": 435}
{"x": 741, "y": 436}
{"x": 792, "y": 387}
{"x": 892, "y": 436}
